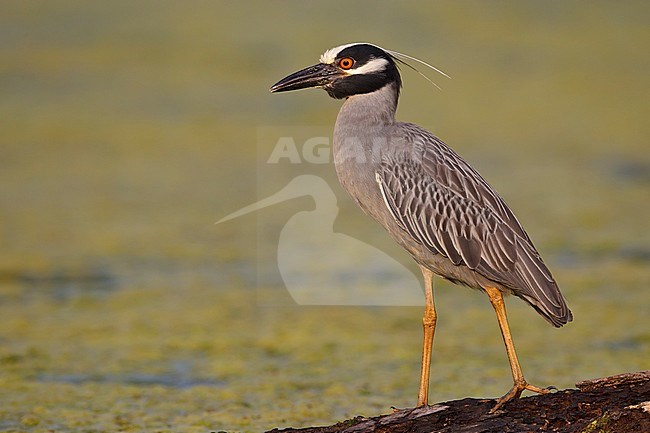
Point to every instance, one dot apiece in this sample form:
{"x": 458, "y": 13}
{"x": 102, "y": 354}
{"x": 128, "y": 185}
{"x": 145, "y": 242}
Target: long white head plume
{"x": 398, "y": 54}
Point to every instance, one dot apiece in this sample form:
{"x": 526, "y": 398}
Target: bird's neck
{"x": 359, "y": 136}
{"x": 375, "y": 109}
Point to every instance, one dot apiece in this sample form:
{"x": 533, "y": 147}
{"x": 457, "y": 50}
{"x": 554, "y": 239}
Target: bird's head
{"x": 347, "y": 70}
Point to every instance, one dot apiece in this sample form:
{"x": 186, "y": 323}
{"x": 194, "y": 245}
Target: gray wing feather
{"x": 447, "y": 206}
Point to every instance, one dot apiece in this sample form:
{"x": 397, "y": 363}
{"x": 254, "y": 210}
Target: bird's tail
{"x": 539, "y": 287}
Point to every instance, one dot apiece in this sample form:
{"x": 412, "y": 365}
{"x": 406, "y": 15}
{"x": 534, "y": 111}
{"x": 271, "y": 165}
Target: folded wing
{"x": 445, "y": 205}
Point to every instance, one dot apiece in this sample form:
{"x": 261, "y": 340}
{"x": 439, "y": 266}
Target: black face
{"x": 357, "y": 69}
{"x": 355, "y": 84}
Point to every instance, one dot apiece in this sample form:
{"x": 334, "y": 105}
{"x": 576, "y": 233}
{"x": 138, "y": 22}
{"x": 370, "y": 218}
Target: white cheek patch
{"x": 374, "y": 65}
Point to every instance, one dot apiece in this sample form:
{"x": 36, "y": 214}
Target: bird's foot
{"x": 515, "y": 392}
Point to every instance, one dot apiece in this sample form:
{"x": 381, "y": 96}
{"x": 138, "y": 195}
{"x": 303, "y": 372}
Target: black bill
{"x": 313, "y": 76}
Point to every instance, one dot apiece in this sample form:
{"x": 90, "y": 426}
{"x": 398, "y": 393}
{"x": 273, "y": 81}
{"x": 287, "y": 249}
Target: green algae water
{"x": 127, "y": 130}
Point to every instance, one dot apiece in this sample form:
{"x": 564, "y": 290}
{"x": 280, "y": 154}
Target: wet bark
{"x": 618, "y": 404}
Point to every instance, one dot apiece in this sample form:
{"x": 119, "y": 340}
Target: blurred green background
{"x": 128, "y": 128}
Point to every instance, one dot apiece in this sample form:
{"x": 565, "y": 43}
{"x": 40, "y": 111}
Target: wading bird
{"x": 429, "y": 199}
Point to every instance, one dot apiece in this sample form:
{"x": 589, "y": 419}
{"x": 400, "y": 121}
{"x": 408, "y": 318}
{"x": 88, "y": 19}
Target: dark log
{"x": 616, "y": 404}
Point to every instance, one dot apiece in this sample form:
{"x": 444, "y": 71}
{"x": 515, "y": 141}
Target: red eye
{"x": 346, "y": 63}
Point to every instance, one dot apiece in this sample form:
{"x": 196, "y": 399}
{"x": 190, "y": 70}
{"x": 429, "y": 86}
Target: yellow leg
{"x": 429, "y": 326}
{"x": 496, "y": 298}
